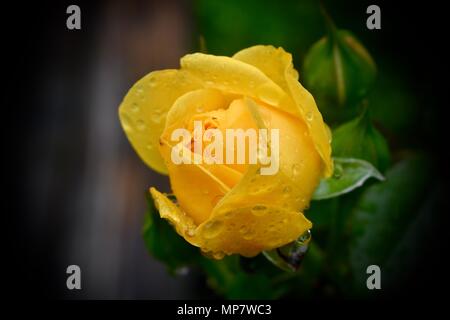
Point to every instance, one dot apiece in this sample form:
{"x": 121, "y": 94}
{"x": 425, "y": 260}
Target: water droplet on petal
{"x": 243, "y": 229}
{"x": 289, "y": 257}
{"x": 227, "y": 214}
{"x": 287, "y": 190}
{"x": 305, "y": 237}
{"x": 296, "y": 168}
{"x": 139, "y": 90}
{"x": 309, "y": 116}
{"x": 149, "y": 146}
{"x": 259, "y": 210}
{"x": 152, "y": 83}
{"x": 218, "y": 255}
{"x": 134, "y": 107}
{"x": 140, "y": 125}
{"x": 212, "y": 229}
{"x": 190, "y": 232}
{"x": 248, "y": 236}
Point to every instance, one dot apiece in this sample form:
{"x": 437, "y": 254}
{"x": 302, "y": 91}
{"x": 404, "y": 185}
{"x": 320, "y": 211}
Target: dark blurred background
{"x": 77, "y": 195}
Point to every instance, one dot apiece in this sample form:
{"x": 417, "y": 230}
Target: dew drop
{"x": 259, "y": 210}
{"x": 218, "y": 255}
{"x": 309, "y": 116}
{"x": 135, "y": 107}
{"x": 338, "y": 171}
{"x": 148, "y": 146}
{"x": 212, "y": 229}
{"x": 152, "y": 83}
{"x": 296, "y": 168}
{"x": 139, "y": 91}
{"x": 243, "y": 229}
{"x": 248, "y": 236}
{"x": 246, "y": 232}
{"x": 140, "y": 125}
{"x": 227, "y": 215}
{"x": 305, "y": 237}
{"x": 156, "y": 116}
{"x": 190, "y": 232}
{"x": 287, "y": 190}
{"x": 205, "y": 191}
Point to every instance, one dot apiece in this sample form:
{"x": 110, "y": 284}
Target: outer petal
{"x": 277, "y": 65}
{"x": 144, "y": 109}
{"x": 168, "y": 210}
{"x": 236, "y": 229}
{"x": 262, "y": 211}
{"x": 233, "y": 76}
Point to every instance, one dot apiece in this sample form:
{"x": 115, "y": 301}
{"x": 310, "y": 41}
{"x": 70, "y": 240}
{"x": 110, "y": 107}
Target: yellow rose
{"x": 232, "y": 208}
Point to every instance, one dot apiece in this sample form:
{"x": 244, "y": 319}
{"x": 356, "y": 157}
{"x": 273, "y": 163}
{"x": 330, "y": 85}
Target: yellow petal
{"x": 277, "y": 65}
{"x": 233, "y": 76}
{"x": 237, "y": 230}
{"x": 144, "y": 109}
{"x": 194, "y": 102}
{"x": 168, "y": 210}
{"x": 263, "y": 212}
{"x": 198, "y": 187}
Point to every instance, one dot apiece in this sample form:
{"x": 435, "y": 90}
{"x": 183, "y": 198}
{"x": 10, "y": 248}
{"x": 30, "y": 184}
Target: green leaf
{"x": 228, "y": 278}
{"x": 360, "y": 139}
{"x": 349, "y": 174}
{"x": 385, "y": 216}
{"x": 164, "y": 243}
